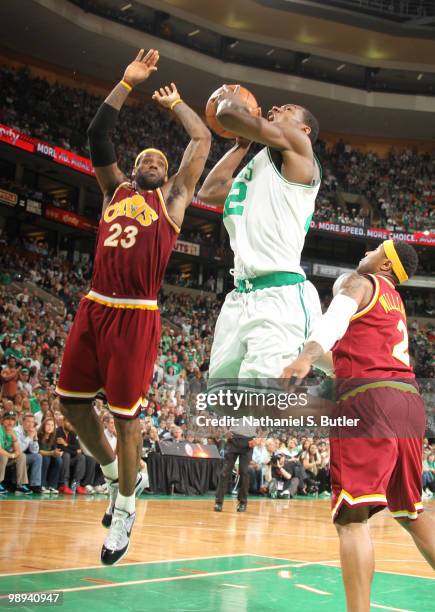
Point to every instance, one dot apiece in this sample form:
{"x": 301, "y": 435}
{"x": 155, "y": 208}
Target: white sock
{"x": 125, "y": 503}
{"x": 110, "y": 470}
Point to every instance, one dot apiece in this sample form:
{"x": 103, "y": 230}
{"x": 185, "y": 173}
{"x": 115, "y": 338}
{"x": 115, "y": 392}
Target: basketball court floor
{"x": 280, "y": 555}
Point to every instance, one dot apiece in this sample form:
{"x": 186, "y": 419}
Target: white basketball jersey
{"x": 267, "y": 218}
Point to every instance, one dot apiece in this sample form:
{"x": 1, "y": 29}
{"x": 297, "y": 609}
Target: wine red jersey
{"x": 375, "y": 345}
{"x": 135, "y": 240}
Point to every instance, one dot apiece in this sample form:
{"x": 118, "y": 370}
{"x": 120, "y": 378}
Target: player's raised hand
{"x": 141, "y": 67}
{"x": 227, "y": 93}
{"x": 166, "y": 96}
{"x": 231, "y": 95}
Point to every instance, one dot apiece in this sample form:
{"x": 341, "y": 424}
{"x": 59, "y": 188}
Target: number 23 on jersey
{"x": 125, "y": 238}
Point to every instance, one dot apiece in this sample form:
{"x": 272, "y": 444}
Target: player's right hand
{"x": 294, "y": 373}
{"x": 141, "y": 67}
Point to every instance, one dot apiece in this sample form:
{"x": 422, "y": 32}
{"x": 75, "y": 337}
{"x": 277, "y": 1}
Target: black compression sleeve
{"x": 102, "y": 149}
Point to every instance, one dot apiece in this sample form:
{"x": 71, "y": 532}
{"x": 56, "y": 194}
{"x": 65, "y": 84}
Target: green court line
{"x": 242, "y": 583}
{"x": 64, "y": 579}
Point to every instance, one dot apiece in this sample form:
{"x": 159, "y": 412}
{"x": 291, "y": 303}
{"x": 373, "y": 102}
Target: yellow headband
{"x": 391, "y": 253}
{"x": 157, "y": 151}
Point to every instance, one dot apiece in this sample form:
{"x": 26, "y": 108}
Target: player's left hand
{"x": 231, "y": 97}
{"x": 167, "y": 95}
{"x": 226, "y": 93}
{"x": 294, "y": 373}
{"x": 141, "y": 67}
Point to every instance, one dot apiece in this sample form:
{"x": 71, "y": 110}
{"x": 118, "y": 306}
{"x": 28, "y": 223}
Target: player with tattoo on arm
{"x": 381, "y": 464}
{"x": 112, "y": 345}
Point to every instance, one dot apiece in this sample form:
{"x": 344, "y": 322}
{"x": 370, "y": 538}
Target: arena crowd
{"x": 396, "y": 191}
{"x": 39, "y": 451}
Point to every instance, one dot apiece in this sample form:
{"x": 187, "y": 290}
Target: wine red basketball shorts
{"x": 111, "y": 348}
{"x": 379, "y": 463}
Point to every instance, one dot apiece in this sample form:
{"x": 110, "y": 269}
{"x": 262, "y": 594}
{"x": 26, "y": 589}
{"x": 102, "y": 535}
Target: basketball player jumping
{"x": 268, "y": 207}
{"x": 113, "y": 343}
{"x": 380, "y": 463}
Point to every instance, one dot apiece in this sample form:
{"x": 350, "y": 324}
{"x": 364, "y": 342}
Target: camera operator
{"x": 285, "y": 477}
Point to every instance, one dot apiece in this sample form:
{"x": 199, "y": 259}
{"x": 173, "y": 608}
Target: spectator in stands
{"x": 163, "y": 429}
{"x": 428, "y": 477}
{"x": 282, "y": 445}
{"x": 11, "y": 455}
{"x": 27, "y": 436}
{"x": 23, "y": 382}
{"x": 158, "y": 370}
{"x": 151, "y": 411}
{"x": 271, "y": 446}
{"x": 14, "y": 350}
{"x": 257, "y": 466}
{"x": 293, "y": 447}
{"x": 312, "y": 464}
{"x": 73, "y": 460}
{"x": 9, "y": 377}
{"x": 51, "y": 456}
{"x": 110, "y": 430}
{"x": 150, "y": 440}
{"x": 176, "y": 434}
{"x": 170, "y": 378}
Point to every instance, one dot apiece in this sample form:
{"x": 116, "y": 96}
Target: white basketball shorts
{"x": 258, "y": 333}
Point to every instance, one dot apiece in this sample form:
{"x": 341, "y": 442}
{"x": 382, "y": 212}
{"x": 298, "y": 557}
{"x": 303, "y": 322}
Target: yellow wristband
{"x": 174, "y": 104}
{"x": 127, "y": 85}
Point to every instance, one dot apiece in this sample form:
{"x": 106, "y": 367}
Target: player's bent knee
{"x": 126, "y": 427}
{"x": 351, "y": 516}
{"x": 73, "y": 409}
{"x": 406, "y": 522}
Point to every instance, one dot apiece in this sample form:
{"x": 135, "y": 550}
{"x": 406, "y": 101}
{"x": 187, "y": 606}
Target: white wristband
{"x": 333, "y": 324}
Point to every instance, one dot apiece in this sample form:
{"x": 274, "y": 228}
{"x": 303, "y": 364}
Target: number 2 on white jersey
{"x": 116, "y": 230}
{"x": 400, "y": 350}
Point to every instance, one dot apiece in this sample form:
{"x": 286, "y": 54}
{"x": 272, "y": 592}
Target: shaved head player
{"x": 268, "y": 207}
{"x": 113, "y": 343}
{"x": 380, "y": 464}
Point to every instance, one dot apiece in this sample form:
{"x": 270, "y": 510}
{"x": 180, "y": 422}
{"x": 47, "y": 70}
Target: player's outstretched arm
{"x": 179, "y": 190}
{"x": 103, "y": 154}
{"x": 352, "y": 294}
{"x": 217, "y": 185}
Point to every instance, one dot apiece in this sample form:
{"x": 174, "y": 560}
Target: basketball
{"x": 245, "y": 97}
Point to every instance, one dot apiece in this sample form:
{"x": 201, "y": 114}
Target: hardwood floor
{"x": 66, "y": 533}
